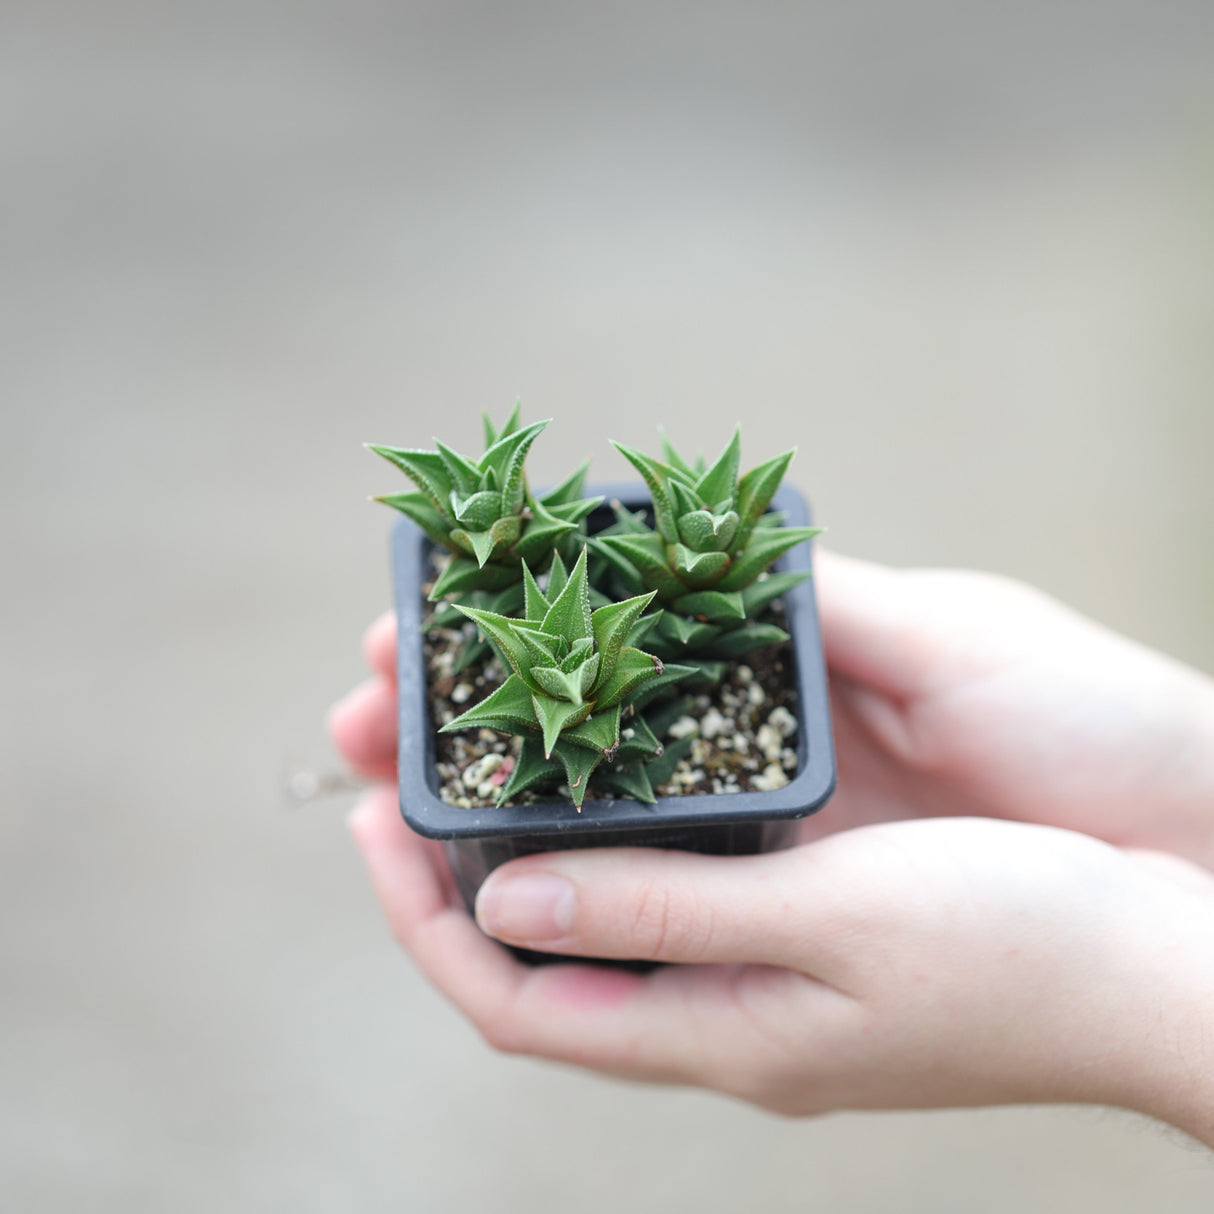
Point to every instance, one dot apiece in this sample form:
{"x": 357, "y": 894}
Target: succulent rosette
{"x": 573, "y": 677}
{"x": 705, "y": 557}
{"x": 482, "y": 511}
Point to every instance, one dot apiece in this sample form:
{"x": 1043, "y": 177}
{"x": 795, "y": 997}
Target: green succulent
{"x": 705, "y": 561}
{"x": 572, "y": 675}
{"x": 483, "y": 512}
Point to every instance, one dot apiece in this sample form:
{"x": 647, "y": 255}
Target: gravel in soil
{"x": 744, "y": 730}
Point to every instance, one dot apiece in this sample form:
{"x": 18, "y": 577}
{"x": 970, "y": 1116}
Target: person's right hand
{"x": 960, "y": 693}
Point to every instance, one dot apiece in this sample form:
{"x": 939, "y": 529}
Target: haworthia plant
{"x": 706, "y": 555}
{"x": 572, "y": 675}
{"x": 483, "y": 512}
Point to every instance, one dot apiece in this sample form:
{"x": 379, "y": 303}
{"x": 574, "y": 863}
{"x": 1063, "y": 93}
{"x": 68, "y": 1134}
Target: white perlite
{"x": 475, "y": 774}
{"x": 770, "y": 742}
{"x": 713, "y": 724}
{"x": 683, "y": 727}
{"x": 769, "y": 779}
{"x": 783, "y": 720}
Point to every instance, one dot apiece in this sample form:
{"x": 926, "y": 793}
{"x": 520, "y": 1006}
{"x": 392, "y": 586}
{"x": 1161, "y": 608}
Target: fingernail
{"x": 535, "y": 906}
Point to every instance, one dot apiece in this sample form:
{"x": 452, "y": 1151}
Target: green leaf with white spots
{"x": 555, "y": 715}
{"x": 657, "y": 478}
{"x": 714, "y": 606}
{"x": 569, "y": 615}
{"x": 509, "y": 708}
{"x": 719, "y": 483}
{"x": 764, "y": 548}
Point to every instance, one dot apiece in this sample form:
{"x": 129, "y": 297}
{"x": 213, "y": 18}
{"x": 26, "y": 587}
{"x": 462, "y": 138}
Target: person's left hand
{"x": 914, "y": 964}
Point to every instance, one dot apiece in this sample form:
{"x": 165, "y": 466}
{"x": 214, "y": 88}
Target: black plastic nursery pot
{"x": 743, "y": 823}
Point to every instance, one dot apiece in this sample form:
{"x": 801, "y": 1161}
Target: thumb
{"x": 654, "y": 905}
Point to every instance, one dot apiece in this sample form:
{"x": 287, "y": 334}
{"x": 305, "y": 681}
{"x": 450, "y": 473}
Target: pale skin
{"x": 1009, "y": 899}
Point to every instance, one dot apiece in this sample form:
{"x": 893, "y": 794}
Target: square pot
{"x": 478, "y": 840}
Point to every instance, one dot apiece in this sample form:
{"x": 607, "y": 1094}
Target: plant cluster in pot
{"x": 638, "y": 667}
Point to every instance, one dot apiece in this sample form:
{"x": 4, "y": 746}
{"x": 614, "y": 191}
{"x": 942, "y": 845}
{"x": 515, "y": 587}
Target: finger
{"x": 869, "y": 627}
{"x": 695, "y": 1024}
{"x": 411, "y": 882}
{"x": 363, "y": 728}
{"x": 379, "y": 645}
{"x": 656, "y": 905}
{"x": 571, "y": 1013}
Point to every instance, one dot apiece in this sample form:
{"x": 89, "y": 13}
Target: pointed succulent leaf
{"x": 686, "y": 499}
{"x": 600, "y": 731}
{"x": 543, "y": 531}
{"x": 647, "y": 555}
{"x": 558, "y": 575}
{"x": 619, "y": 564}
{"x": 578, "y": 763}
{"x": 628, "y": 522}
{"x": 631, "y": 779}
{"x": 676, "y": 461}
{"x": 530, "y": 769}
{"x": 422, "y": 511}
{"x": 507, "y": 457}
{"x": 761, "y": 594}
{"x": 715, "y": 606}
{"x": 574, "y": 512}
{"x": 611, "y": 627}
{"x": 482, "y": 544}
{"x": 699, "y": 568}
{"x": 737, "y": 641}
{"x": 569, "y": 615}
{"x": 509, "y": 708}
{"x": 637, "y": 741}
{"x": 508, "y": 637}
{"x": 477, "y": 510}
{"x": 660, "y": 770}
{"x": 772, "y": 519}
{"x": 500, "y": 536}
{"x": 676, "y": 634}
{"x": 580, "y": 651}
{"x": 541, "y": 648}
{"x": 555, "y": 715}
{"x": 508, "y": 426}
{"x": 633, "y": 668}
{"x": 701, "y": 674}
{"x": 671, "y": 674}
{"x": 764, "y": 548}
{"x": 535, "y": 605}
{"x": 558, "y": 684}
{"x": 465, "y": 475}
{"x": 425, "y": 468}
{"x": 462, "y": 574}
{"x": 719, "y": 483}
{"x": 569, "y": 490}
{"x": 641, "y": 629}
{"x": 657, "y": 477}
{"x": 755, "y": 491}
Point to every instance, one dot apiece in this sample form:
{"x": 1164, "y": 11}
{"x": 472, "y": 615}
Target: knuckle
{"x": 669, "y": 923}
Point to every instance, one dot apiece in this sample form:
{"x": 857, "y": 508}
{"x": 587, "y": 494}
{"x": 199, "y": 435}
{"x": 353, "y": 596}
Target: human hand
{"x": 918, "y": 964}
{"x": 960, "y": 693}
{"x": 957, "y": 693}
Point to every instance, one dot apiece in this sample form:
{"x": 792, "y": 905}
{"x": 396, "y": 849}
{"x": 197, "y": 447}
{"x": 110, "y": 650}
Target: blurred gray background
{"x": 961, "y": 254}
